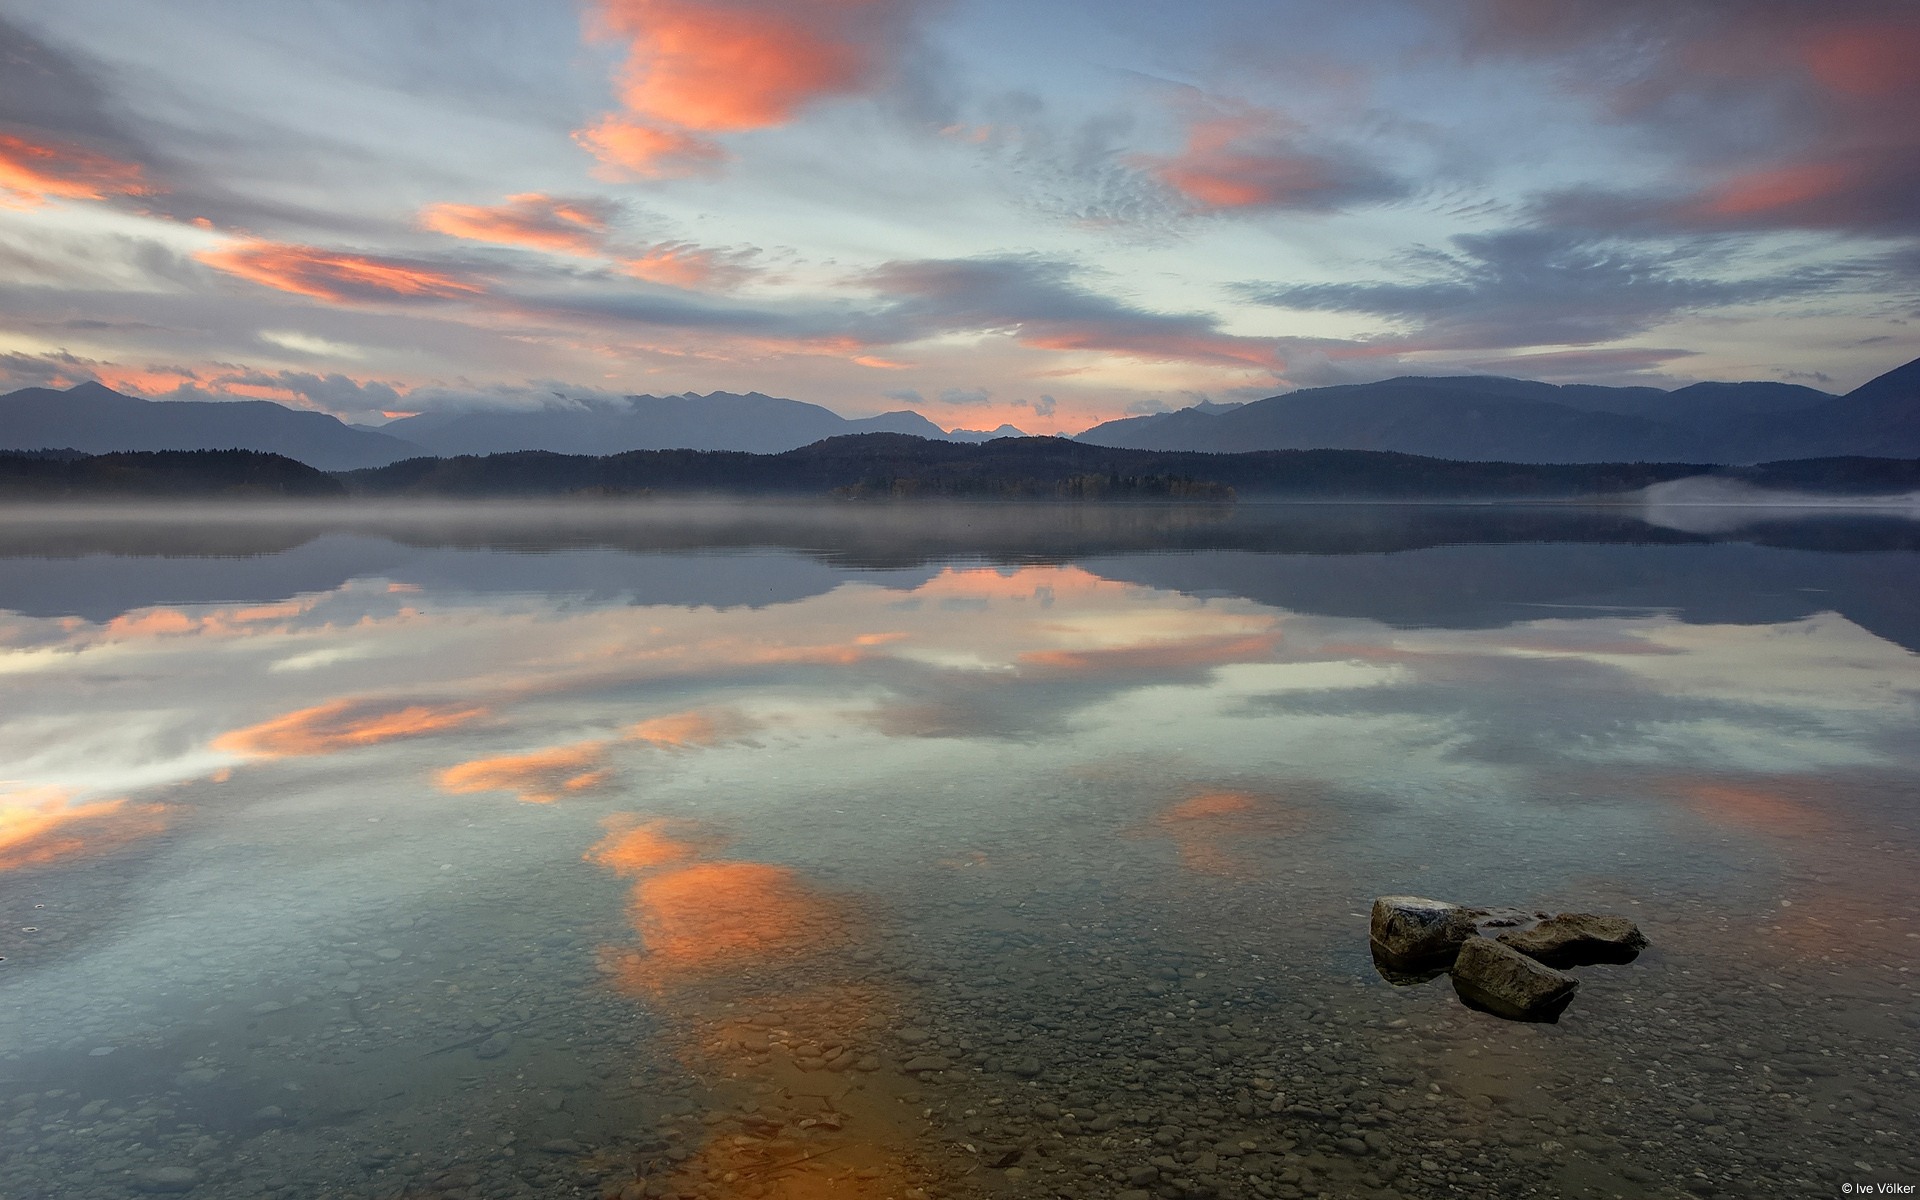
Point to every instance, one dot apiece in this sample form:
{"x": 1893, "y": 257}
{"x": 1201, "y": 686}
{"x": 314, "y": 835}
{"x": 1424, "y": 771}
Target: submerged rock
{"x": 166, "y": 1180}
{"x": 1578, "y": 939}
{"x": 1496, "y": 978}
{"x": 1414, "y": 938}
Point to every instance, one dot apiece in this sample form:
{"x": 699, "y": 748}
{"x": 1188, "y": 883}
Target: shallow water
{"x": 791, "y": 852}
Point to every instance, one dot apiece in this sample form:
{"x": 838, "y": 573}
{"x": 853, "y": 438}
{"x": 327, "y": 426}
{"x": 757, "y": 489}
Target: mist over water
{"x": 743, "y": 850}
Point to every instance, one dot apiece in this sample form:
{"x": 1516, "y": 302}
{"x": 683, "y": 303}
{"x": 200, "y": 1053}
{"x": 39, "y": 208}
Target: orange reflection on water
{"x": 1751, "y": 805}
{"x": 165, "y": 622}
{"x": 43, "y": 824}
{"x": 710, "y": 916}
{"x": 632, "y": 846}
{"x": 343, "y": 725}
{"x": 679, "y": 731}
{"x": 1213, "y": 830}
{"x": 538, "y": 777}
{"x": 1155, "y": 656}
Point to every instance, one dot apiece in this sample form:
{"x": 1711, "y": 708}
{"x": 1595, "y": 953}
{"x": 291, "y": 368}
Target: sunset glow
{"x": 877, "y": 205}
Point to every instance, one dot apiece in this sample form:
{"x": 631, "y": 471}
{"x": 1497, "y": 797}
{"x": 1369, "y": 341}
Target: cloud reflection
{"x": 344, "y": 725}
{"x": 44, "y": 824}
{"x": 537, "y": 777}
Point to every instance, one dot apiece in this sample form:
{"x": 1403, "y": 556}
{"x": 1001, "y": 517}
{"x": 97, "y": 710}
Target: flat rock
{"x": 1577, "y": 939}
{"x": 494, "y": 1046}
{"x": 166, "y": 1179}
{"x": 926, "y": 1062}
{"x": 1496, "y": 978}
{"x": 1414, "y": 937}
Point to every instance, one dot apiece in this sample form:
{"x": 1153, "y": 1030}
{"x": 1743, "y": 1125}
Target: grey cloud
{"x": 1044, "y": 406}
{"x": 18, "y": 370}
{"x": 965, "y": 396}
{"x": 905, "y": 395}
{"x": 54, "y": 93}
{"x": 1042, "y": 302}
{"x": 1533, "y": 287}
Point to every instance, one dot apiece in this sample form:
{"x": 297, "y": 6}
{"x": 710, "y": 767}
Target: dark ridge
{"x": 1833, "y": 476}
{"x": 886, "y": 465}
{"x": 196, "y": 474}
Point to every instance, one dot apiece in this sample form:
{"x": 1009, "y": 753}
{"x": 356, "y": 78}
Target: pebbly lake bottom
{"x": 355, "y": 862}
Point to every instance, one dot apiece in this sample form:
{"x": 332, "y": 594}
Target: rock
{"x": 926, "y": 1062}
{"x": 1577, "y": 939}
{"x": 166, "y": 1179}
{"x": 1414, "y": 938}
{"x": 1496, "y": 978}
{"x": 495, "y": 1046}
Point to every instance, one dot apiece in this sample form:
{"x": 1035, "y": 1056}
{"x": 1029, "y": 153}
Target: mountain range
{"x": 95, "y": 419}
{"x": 1474, "y": 418}
{"x": 1489, "y": 418}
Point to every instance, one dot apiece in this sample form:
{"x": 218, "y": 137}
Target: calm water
{"x": 792, "y": 852}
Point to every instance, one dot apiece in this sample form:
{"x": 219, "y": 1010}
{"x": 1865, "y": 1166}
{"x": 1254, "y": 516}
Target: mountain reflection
{"x": 1408, "y": 564}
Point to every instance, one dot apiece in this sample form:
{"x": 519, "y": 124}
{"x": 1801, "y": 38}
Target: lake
{"x": 792, "y": 851}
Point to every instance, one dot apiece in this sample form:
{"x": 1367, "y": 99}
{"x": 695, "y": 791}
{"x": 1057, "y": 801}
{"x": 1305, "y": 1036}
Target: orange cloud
{"x": 41, "y": 825}
{"x": 343, "y": 725}
{"x": 333, "y": 275}
{"x": 722, "y": 66}
{"x": 1778, "y": 190}
{"x": 539, "y": 777}
{"x": 530, "y": 219}
{"x": 680, "y": 264}
{"x": 32, "y": 173}
{"x": 1241, "y": 156}
{"x": 648, "y": 150}
{"x": 1869, "y": 60}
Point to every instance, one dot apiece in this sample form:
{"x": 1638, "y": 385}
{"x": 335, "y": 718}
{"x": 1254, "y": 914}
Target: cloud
{"x": 55, "y": 369}
{"x": 344, "y": 725}
{"x": 537, "y": 777}
{"x": 569, "y": 225}
{"x": 1041, "y": 304}
{"x": 631, "y": 147}
{"x": 964, "y": 397}
{"x": 1044, "y": 406}
{"x": 34, "y": 172}
{"x": 1783, "y": 115}
{"x": 904, "y": 395}
{"x": 336, "y": 276}
{"x": 580, "y": 227}
{"x": 700, "y": 67}
{"x": 685, "y": 265}
{"x": 1539, "y": 287}
{"x": 1241, "y": 156}
{"x": 333, "y": 392}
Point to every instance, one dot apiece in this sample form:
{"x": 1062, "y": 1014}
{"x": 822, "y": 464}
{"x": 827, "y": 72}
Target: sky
{"x": 1048, "y": 214}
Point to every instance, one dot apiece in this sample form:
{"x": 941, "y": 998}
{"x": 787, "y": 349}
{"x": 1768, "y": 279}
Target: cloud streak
{"x": 33, "y": 173}
{"x": 337, "y": 276}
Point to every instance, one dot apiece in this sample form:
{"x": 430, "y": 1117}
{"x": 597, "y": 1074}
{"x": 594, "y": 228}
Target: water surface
{"x": 729, "y": 851}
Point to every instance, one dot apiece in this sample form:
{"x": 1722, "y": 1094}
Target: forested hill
{"x": 65, "y": 475}
{"x": 879, "y": 464}
{"x": 895, "y": 465}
